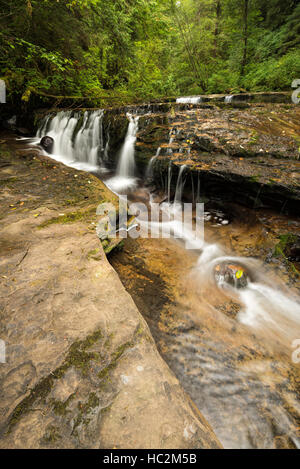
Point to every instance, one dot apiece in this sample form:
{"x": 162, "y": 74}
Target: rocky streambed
{"x": 230, "y": 350}
{"x": 82, "y": 369}
{"x": 239, "y": 373}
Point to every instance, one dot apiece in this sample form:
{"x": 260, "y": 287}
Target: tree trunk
{"x": 217, "y": 29}
{"x": 182, "y": 25}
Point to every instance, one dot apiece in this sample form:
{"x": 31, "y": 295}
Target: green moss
{"x": 95, "y": 254}
{"x": 285, "y": 241}
{"x": 115, "y": 357}
{"x": 280, "y": 249}
{"x": 51, "y": 436}
{"x": 255, "y": 178}
{"x": 85, "y": 409}
{"x": 77, "y": 357}
{"x": 92, "y": 402}
{"x": 105, "y": 410}
{"x": 9, "y": 180}
{"x": 112, "y": 245}
{"x": 70, "y": 218}
{"x": 61, "y": 408}
{"x": 254, "y": 138}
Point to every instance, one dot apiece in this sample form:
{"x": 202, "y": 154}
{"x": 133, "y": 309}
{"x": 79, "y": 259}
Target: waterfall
{"x": 170, "y": 151}
{"x": 42, "y": 131}
{"x": 126, "y": 164}
{"x": 169, "y": 182}
{"x": 180, "y": 185}
{"x": 124, "y": 178}
{"x": 82, "y": 151}
{"x": 89, "y": 140}
{"x": 189, "y": 100}
{"x": 106, "y": 149}
{"x": 229, "y": 99}
{"x": 149, "y": 171}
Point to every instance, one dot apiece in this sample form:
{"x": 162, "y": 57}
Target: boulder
{"x": 47, "y": 143}
{"x": 231, "y": 274}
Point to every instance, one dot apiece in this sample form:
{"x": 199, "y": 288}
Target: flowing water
{"x": 189, "y": 100}
{"x": 229, "y": 99}
{"x": 83, "y": 149}
{"x": 125, "y": 175}
{"x": 230, "y": 348}
{"x": 180, "y": 185}
{"x": 149, "y": 171}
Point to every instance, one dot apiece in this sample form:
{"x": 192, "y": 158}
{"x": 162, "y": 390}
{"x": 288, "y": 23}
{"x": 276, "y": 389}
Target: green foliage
{"x": 147, "y": 48}
{"x": 225, "y": 80}
{"x": 274, "y": 74}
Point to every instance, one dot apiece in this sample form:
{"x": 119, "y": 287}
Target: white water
{"x": 125, "y": 176}
{"x": 169, "y": 182}
{"x": 169, "y": 150}
{"x": 82, "y": 151}
{"x": 229, "y": 99}
{"x": 189, "y": 100}
{"x": 126, "y": 164}
{"x": 264, "y": 307}
{"x": 149, "y": 171}
{"x": 180, "y": 185}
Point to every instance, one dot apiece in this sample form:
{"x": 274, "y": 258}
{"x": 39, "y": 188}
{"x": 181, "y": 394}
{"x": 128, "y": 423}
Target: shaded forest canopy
{"x": 148, "y": 48}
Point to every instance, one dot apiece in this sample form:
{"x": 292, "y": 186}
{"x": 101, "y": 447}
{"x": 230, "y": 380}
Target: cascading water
{"x": 169, "y": 182}
{"x": 106, "y": 149}
{"x": 189, "y": 100}
{"x": 126, "y": 164}
{"x": 83, "y": 150}
{"x": 125, "y": 176}
{"x": 229, "y": 99}
{"x": 180, "y": 185}
{"x": 149, "y": 171}
{"x": 263, "y": 305}
{"x": 171, "y": 135}
{"x": 265, "y": 308}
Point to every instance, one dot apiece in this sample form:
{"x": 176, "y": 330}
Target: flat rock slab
{"x": 82, "y": 368}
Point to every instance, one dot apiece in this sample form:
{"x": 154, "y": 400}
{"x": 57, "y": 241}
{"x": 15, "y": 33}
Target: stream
{"x": 231, "y": 348}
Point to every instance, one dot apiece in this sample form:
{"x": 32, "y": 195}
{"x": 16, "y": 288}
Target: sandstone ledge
{"x": 82, "y": 368}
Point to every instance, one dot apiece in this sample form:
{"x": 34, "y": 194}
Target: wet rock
{"x": 295, "y": 250}
{"x": 231, "y": 274}
{"x": 10, "y": 123}
{"x": 249, "y": 155}
{"x": 203, "y": 144}
{"x": 23, "y": 131}
{"x": 289, "y": 247}
{"x": 47, "y": 143}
